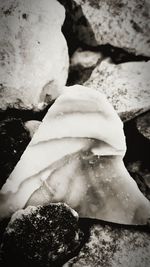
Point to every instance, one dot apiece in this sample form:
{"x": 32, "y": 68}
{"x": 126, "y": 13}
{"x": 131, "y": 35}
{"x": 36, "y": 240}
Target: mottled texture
{"x": 41, "y": 236}
{"x": 126, "y": 86}
{"x": 114, "y": 246}
{"x": 33, "y": 53}
{"x": 123, "y": 24}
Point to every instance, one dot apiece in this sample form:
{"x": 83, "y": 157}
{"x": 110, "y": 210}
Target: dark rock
{"x": 119, "y": 55}
{"x": 137, "y": 158}
{"x": 138, "y": 147}
{"x": 41, "y": 236}
{"x": 13, "y": 140}
{"x": 67, "y": 28}
{"x": 141, "y": 175}
{"x": 143, "y": 125}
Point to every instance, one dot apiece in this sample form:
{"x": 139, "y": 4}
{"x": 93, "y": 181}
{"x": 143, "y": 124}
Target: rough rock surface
{"x": 41, "y": 236}
{"x": 13, "y": 140}
{"x": 114, "y": 246}
{"x": 33, "y": 53}
{"x": 82, "y": 64}
{"x": 143, "y": 125}
{"x": 123, "y": 24}
{"x": 126, "y": 86}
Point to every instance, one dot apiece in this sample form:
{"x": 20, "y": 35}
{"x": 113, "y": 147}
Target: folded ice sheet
{"x": 75, "y": 157}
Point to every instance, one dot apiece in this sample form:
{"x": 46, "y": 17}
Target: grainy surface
{"x": 114, "y": 246}
{"x": 41, "y": 236}
{"x": 126, "y": 86}
{"x": 123, "y": 24}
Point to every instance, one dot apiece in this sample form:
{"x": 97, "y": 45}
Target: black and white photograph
{"x": 75, "y": 133}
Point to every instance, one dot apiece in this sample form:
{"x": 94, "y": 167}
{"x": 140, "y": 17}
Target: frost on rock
{"x": 123, "y": 23}
{"x": 33, "y": 53}
{"x": 75, "y": 157}
{"x": 126, "y": 86}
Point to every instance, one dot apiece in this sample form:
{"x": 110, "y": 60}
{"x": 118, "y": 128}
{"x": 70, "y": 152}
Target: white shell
{"x": 75, "y": 157}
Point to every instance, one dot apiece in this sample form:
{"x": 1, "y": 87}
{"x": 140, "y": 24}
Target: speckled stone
{"x": 41, "y": 236}
{"x": 114, "y": 246}
{"x": 126, "y": 86}
{"x": 122, "y": 23}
